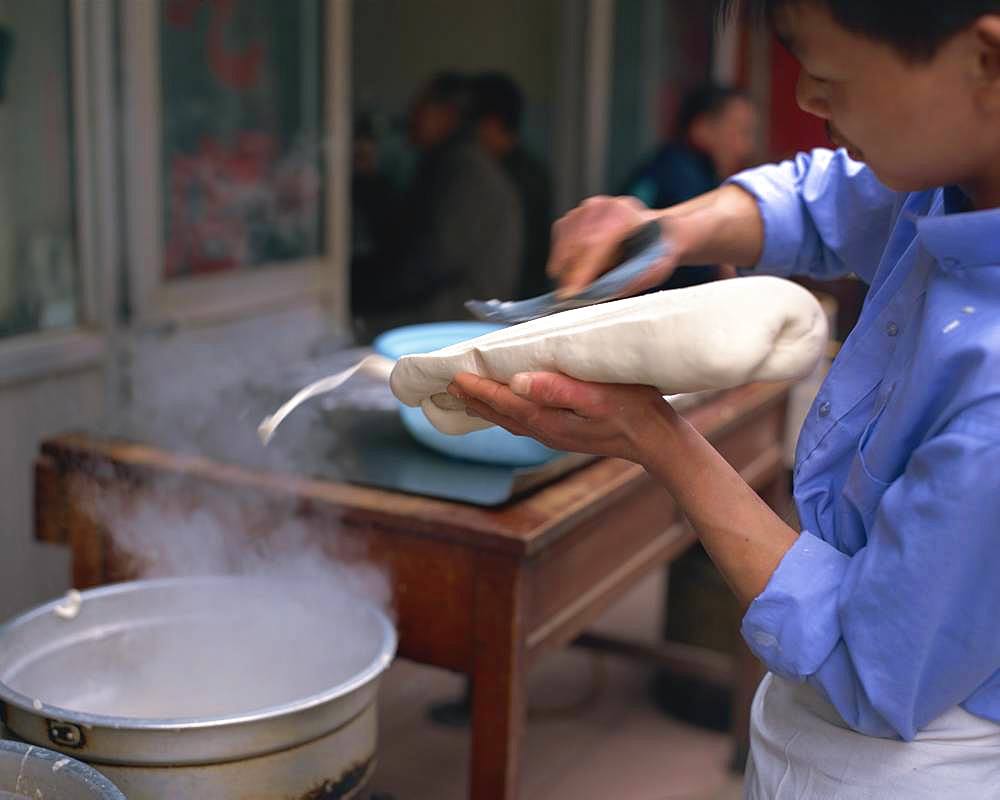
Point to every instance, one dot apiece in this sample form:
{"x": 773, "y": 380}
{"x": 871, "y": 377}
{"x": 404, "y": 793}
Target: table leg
{"x": 498, "y": 681}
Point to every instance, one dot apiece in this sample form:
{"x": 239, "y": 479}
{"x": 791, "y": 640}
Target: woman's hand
{"x": 587, "y": 240}
{"x": 721, "y": 227}
{"x": 744, "y": 537}
{"x": 566, "y": 414}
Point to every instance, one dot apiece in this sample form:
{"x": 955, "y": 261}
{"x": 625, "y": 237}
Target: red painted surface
{"x": 792, "y": 129}
{"x": 235, "y": 68}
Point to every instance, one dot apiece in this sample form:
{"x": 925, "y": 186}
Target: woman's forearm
{"x": 744, "y": 537}
{"x": 721, "y": 227}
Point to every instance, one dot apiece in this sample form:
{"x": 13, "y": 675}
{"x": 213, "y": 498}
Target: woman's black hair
{"x": 496, "y": 94}
{"x": 915, "y": 28}
{"x": 709, "y": 99}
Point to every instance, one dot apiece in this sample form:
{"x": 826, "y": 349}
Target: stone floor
{"x": 593, "y": 733}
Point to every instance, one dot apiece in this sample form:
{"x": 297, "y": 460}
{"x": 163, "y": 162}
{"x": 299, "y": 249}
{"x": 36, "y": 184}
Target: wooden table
{"x": 479, "y": 591}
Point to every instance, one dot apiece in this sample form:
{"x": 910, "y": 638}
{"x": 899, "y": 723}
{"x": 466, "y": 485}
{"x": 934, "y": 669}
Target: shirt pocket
{"x": 870, "y": 473}
{"x": 881, "y": 451}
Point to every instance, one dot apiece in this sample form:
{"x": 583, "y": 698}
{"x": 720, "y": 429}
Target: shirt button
{"x": 892, "y": 329}
{"x": 824, "y": 409}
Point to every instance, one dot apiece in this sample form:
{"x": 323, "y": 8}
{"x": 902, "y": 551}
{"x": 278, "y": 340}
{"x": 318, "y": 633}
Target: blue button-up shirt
{"x": 889, "y": 601}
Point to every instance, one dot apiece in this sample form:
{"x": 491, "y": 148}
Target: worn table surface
{"x": 482, "y": 591}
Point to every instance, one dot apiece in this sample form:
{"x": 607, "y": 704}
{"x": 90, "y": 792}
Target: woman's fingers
{"x": 496, "y": 396}
{"x": 564, "y": 247}
{"x": 562, "y": 412}
{"x": 585, "y": 241}
{"x": 529, "y": 391}
{"x": 588, "y": 264}
{"x": 558, "y": 428}
{"x": 543, "y": 417}
{"x": 477, "y": 408}
{"x": 573, "y": 232}
{"x": 554, "y": 390}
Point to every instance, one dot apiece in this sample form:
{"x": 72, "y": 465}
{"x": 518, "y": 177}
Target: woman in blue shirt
{"x": 877, "y": 619}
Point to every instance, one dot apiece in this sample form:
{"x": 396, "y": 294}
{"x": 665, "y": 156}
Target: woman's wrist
{"x": 654, "y": 436}
{"x": 688, "y": 229}
{"x": 721, "y": 227}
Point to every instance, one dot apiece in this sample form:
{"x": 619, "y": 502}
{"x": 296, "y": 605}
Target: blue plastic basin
{"x": 491, "y": 446}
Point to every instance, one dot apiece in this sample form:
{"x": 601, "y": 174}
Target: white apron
{"x": 800, "y": 749}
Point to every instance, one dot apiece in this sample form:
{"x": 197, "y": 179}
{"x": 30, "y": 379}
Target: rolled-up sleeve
{"x": 824, "y": 215}
{"x": 905, "y": 628}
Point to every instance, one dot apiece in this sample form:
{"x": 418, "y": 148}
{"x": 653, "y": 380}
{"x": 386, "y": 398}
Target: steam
{"x": 203, "y": 392}
{"x": 171, "y": 531}
{"x": 296, "y": 623}
{"x": 305, "y": 623}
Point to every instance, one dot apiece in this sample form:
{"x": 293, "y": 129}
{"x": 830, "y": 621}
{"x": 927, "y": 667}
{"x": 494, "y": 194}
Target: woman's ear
{"x": 987, "y": 37}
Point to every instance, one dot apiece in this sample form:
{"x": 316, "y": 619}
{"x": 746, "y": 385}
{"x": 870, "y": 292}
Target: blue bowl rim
{"x": 428, "y": 330}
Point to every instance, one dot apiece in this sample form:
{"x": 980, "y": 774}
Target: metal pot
{"x": 34, "y": 773}
{"x": 206, "y": 687}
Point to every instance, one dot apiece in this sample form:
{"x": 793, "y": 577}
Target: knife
{"x": 639, "y": 251}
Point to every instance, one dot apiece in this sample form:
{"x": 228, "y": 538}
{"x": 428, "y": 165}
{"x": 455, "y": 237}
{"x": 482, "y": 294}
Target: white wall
{"x": 398, "y": 44}
{"x": 31, "y": 572}
{"x": 36, "y": 203}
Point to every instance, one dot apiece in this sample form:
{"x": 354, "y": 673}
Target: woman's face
{"x": 917, "y": 124}
{"x": 729, "y": 137}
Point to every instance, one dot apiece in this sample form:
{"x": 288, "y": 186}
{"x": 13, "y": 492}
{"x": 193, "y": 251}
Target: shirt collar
{"x": 958, "y": 238}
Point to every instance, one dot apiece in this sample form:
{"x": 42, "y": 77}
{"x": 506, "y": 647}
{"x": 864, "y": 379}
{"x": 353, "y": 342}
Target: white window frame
{"x": 583, "y": 100}
{"x": 43, "y": 354}
{"x": 214, "y": 299}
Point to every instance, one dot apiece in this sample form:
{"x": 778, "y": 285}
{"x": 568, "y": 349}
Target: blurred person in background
{"x": 716, "y": 136}
{"x": 499, "y": 109}
{"x": 375, "y": 209}
{"x": 458, "y": 234}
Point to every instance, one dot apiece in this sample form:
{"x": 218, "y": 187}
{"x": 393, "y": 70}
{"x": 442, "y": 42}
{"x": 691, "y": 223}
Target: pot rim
{"x": 10, "y": 696}
{"x": 71, "y": 766}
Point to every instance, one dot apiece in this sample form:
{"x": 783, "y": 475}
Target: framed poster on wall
{"x": 234, "y": 145}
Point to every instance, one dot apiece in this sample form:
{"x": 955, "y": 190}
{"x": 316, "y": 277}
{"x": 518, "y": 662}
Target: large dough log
{"x": 714, "y": 336}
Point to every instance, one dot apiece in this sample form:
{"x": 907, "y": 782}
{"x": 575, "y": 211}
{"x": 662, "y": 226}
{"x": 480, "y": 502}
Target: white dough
{"x": 69, "y": 608}
{"x": 709, "y": 337}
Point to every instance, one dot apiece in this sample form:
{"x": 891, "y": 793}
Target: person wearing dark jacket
{"x": 715, "y": 138}
{"x": 499, "y": 109}
{"x": 458, "y": 232}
